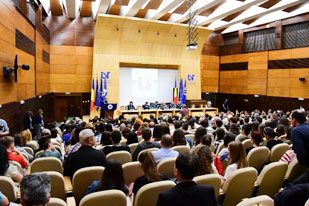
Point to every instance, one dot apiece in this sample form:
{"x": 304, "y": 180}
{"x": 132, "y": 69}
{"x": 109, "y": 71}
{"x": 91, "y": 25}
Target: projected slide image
{"x": 145, "y": 82}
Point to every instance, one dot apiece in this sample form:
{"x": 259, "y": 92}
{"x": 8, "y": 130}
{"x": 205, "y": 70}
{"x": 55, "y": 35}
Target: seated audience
{"x": 157, "y": 132}
{"x": 187, "y": 192}
{"x": 270, "y": 135}
{"x": 35, "y": 190}
{"x": 146, "y": 134}
{"x": 7, "y": 168}
{"x": 179, "y": 138}
{"x": 74, "y": 147}
{"x": 48, "y": 148}
{"x": 293, "y": 194}
{"x": 26, "y": 137}
{"x": 199, "y": 133}
{"x": 106, "y": 138}
{"x": 54, "y": 135}
{"x": 132, "y": 138}
{"x": 245, "y": 131}
{"x": 116, "y": 137}
{"x": 256, "y": 140}
{"x": 148, "y": 165}
{"x": 86, "y": 156}
{"x": 220, "y": 133}
{"x": 4, "y": 200}
{"x": 205, "y": 159}
{"x": 237, "y": 158}
{"x": 13, "y": 153}
{"x": 223, "y": 154}
{"x": 166, "y": 150}
{"x": 19, "y": 146}
{"x": 112, "y": 178}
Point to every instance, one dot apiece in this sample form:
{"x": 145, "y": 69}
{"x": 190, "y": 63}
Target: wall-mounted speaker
{"x": 302, "y": 79}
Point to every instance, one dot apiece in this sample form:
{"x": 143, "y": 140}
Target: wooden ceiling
{"x": 218, "y": 15}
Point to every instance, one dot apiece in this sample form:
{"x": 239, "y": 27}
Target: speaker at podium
{"x": 108, "y": 110}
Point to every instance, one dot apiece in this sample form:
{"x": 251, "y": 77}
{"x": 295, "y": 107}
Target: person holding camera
{"x": 4, "y": 129}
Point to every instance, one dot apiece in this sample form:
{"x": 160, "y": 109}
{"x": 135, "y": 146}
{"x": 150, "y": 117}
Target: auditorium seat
{"x": 271, "y": 179}
{"x": 56, "y": 143}
{"x": 105, "y": 198}
{"x": 239, "y": 185}
{"x": 100, "y": 147}
{"x": 167, "y": 166}
{"x": 38, "y": 153}
{"x": 210, "y": 179}
{"x": 25, "y": 156}
{"x": 149, "y": 193}
{"x": 220, "y": 147}
{"x": 19, "y": 167}
{"x": 139, "y": 138}
{"x": 123, "y": 142}
{"x": 181, "y": 148}
{"x": 56, "y": 202}
{"x": 257, "y": 156}
{"x": 264, "y": 143}
{"x": 43, "y": 164}
{"x": 191, "y": 136}
{"x": 294, "y": 170}
{"x": 212, "y": 147}
{"x": 33, "y": 144}
{"x": 277, "y": 151}
{"x": 57, "y": 185}
{"x": 84, "y": 178}
{"x": 29, "y": 150}
{"x": 131, "y": 171}
{"x": 7, "y": 187}
{"x": 121, "y": 156}
{"x": 132, "y": 147}
{"x": 149, "y": 149}
{"x": 247, "y": 143}
{"x": 262, "y": 200}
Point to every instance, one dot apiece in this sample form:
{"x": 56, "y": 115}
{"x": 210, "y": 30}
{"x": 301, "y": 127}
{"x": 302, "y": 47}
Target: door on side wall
{"x": 67, "y": 106}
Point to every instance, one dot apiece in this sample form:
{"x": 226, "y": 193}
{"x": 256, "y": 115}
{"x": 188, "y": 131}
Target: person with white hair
{"x": 85, "y": 156}
{"x": 35, "y": 189}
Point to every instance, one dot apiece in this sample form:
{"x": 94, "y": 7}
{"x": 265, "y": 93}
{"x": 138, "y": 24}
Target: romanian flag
{"x": 92, "y": 96}
{"x": 175, "y": 93}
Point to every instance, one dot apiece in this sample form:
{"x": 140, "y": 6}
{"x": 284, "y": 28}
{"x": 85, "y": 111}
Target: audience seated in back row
{"x": 115, "y": 138}
{"x": 48, "y": 148}
{"x": 166, "y": 150}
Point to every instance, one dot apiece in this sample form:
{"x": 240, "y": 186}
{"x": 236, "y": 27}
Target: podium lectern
{"x": 108, "y": 110}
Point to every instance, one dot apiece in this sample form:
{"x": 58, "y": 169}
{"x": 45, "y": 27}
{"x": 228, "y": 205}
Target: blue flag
{"x": 101, "y": 94}
{"x": 175, "y": 83}
{"x": 184, "y": 101}
{"x": 97, "y": 95}
{"x": 105, "y": 90}
{"x": 180, "y": 91}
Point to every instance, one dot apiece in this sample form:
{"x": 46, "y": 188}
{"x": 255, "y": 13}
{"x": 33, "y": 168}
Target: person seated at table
{"x": 179, "y": 105}
{"x": 164, "y": 106}
{"x": 156, "y": 105}
{"x": 146, "y": 106}
{"x": 172, "y": 106}
{"x": 131, "y": 106}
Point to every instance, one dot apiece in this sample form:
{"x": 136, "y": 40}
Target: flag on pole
{"x": 105, "y": 90}
{"x": 180, "y": 91}
{"x": 101, "y": 94}
{"x": 184, "y": 101}
{"x": 175, "y": 93}
{"x": 92, "y": 101}
{"x": 97, "y": 95}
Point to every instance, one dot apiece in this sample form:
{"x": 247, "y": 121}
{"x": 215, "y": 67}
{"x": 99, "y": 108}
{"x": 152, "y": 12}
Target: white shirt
{"x": 231, "y": 168}
{"x": 164, "y": 153}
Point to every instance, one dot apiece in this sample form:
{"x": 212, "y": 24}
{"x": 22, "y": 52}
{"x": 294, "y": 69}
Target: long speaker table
{"x": 157, "y": 112}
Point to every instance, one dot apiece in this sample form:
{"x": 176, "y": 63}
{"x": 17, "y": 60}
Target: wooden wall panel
{"x": 209, "y": 73}
{"x": 70, "y": 68}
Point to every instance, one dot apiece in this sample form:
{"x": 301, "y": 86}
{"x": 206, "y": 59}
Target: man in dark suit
{"x": 187, "y": 192}
{"x": 115, "y": 137}
{"x": 85, "y": 156}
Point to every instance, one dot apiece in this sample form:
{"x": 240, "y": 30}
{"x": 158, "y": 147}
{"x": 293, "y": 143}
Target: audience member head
{"x": 148, "y": 164}
{"x": 53, "y": 133}
{"x": 185, "y": 127}
{"x": 205, "y": 159}
{"x": 206, "y": 140}
{"x": 204, "y": 123}
{"x": 4, "y": 163}
{"x": 75, "y": 134}
{"x": 146, "y": 134}
{"x": 191, "y": 123}
{"x": 280, "y": 129}
{"x": 18, "y": 140}
{"x": 116, "y": 136}
{"x": 199, "y": 133}
{"x": 136, "y": 127}
{"x": 8, "y": 142}
{"x": 256, "y": 138}
{"x": 228, "y": 137}
{"x": 86, "y": 137}
{"x": 186, "y": 166}
{"x": 35, "y": 189}
{"x": 237, "y": 154}
{"x": 158, "y": 132}
{"x": 132, "y": 138}
{"x": 166, "y": 129}
{"x": 167, "y": 141}
{"x": 255, "y": 126}
{"x": 179, "y": 137}
{"x": 109, "y": 127}
{"x": 298, "y": 117}
{"x": 26, "y": 136}
{"x": 246, "y": 129}
{"x": 106, "y": 138}
{"x": 269, "y": 133}
{"x": 284, "y": 120}
{"x": 234, "y": 129}
{"x": 219, "y": 123}
{"x": 261, "y": 129}
{"x": 177, "y": 124}
{"x": 44, "y": 142}
{"x": 112, "y": 177}
{"x": 220, "y": 133}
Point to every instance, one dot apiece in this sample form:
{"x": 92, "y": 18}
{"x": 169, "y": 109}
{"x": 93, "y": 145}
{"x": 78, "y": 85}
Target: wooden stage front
{"x": 156, "y": 112}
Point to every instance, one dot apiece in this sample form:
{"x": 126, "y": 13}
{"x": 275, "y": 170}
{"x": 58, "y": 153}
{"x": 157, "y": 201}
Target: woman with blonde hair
{"x": 26, "y": 136}
{"x": 148, "y": 165}
{"x": 205, "y": 160}
{"x": 237, "y": 158}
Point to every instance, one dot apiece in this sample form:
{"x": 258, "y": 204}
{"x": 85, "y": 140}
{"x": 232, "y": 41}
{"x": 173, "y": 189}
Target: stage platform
{"x": 156, "y": 112}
